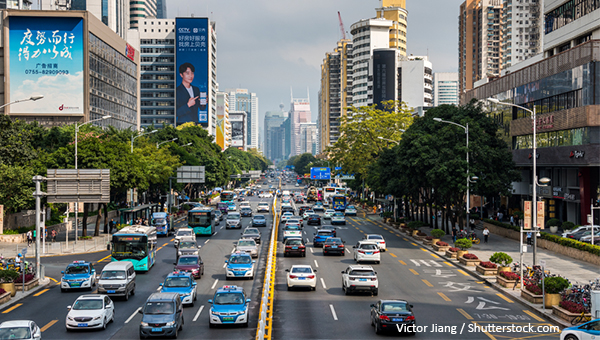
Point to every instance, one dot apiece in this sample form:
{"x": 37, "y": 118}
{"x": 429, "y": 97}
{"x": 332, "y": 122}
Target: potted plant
{"x": 452, "y": 252}
{"x": 486, "y": 268}
{"x": 4, "y": 296}
{"x": 501, "y": 259}
{"x": 553, "y": 286}
{"x": 30, "y": 281}
{"x": 464, "y": 244}
{"x": 437, "y": 235}
{"x": 508, "y": 279}
{"x": 7, "y": 279}
{"x": 566, "y": 225}
{"x": 402, "y": 222}
{"x": 469, "y": 259}
{"x": 441, "y": 246}
{"x": 414, "y": 226}
{"x": 553, "y": 224}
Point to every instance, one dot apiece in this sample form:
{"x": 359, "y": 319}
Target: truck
{"x": 312, "y": 194}
{"x": 161, "y": 222}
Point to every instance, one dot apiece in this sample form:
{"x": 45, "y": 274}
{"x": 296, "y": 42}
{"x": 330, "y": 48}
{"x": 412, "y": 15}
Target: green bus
{"x": 202, "y": 220}
{"x": 227, "y": 196}
{"x": 136, "y": 244}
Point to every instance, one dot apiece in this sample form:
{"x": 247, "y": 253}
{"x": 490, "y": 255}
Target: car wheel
{"x": 375, "y": 292}
{"x": 126, "y": 296}
{"x": 112, "y": 319}
{"x": 377, "y": 262}
{"x": 377, "y": 329}
{"x": 303, "y": 254}
{"x": 104, "y": 323}
{"x": 571, "y": 337}
{"x": 211, "y": 325}
{"x": 289, "y": 288}
{"x": 133, "y": 291}
{"x": 142, "y": 337}
{"x": 284, "y": 254}
{"x": 313, "y": 288}
{"x": 176, "y": 333}
{"x": 346, "y": 291}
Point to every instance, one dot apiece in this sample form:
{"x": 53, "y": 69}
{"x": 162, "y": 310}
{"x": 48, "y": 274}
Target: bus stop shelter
{"x": 128, "y": 215}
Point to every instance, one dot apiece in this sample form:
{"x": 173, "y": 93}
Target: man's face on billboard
{"x": 187, "y": 76}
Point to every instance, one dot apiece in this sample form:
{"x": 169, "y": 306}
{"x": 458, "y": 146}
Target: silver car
{"x": 234, "y": 220}
{"x": 181, "y": 233}
{"x": 248, "y": 245}
{"x": 187, "y": 246}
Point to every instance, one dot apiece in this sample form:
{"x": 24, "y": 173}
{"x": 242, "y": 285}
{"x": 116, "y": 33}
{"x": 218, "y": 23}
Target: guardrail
{"x": 265, "y": 320}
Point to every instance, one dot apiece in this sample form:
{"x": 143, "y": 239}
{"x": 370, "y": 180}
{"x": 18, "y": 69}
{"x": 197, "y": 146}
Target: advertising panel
{"x": 221, "y": 121}
{"x": 384, "y": 81}
{"x": 238, "y": 129}
{"x": 46, "y": 58}
{"x": 191, "y": 71}
{"x": 540, "y": 215}
{"x": 320, "y": 173}
{"x": 527, "y": 215}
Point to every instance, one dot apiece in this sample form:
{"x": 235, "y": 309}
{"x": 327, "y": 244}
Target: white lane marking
{"x": 214, "y": 284}
{"x": 198, "y": 314}
{"x": 348, "y": 250}
{"x": 215, "y": 233}
{"x": 316, "y": 264}
{"x": 305, "y": 232}
{"x": 333, "y": 312}
{"x": 205, "y": 242}
{"x": 221, "y": 228}
{"x": 415, "y": 262}
{"x": 323, "y": 283}
{"x": 224, "y": 265}
{"x": 133, "y": 315}
{"x": 311, "y": 250}
{"x": 233, "y": 250}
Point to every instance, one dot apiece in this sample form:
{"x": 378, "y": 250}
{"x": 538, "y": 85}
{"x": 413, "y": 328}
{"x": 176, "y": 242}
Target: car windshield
{"x": 15, "y": 333}
{"x": 292, "y": 227}
{"x": 240, "y": 260}
{"x": 186, "y": 232}
{"x": 112, "y": 275}
{"x": 324, "y": 233}
{"x": 301, "y": 270}
{"x": 88, "y": 304}
{"x": 160, "y": 221}
{"x": 334, "y": 240}
{"x": 259, "y": 217}
{"x": 368, "y": 246}
{"x": 187, "y": 245}
{"x": 246, "y": 243}
{"x": 251, "y": 231}
{"x": 362, "y": 272}
{"x": 177, "y": 282}
{"x": 77, "y": 269}
{"x": 294, "y": 242}
{"x": 375, "y": 237}
{"x": 350, "y": 207}
{"x": 338, "y": 214}
{"x": 229, "y": 299}
{"x": 293, "y": 221}
{"x": 394, "y": 307}
{"x": 233, "y": 216}
{"x": 246, "y": 209}
{"x": 188, "y": 260}
{"x": 159, "y": 308}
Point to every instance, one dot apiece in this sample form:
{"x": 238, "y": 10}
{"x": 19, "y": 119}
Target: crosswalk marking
{"x": 427, "y": 263}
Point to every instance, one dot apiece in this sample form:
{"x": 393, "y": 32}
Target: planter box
{"x": 450, "y": 254}
{"x": 529, "y": 296}
{"x": 4, "y": 298}
{"x": 419, "y": 238}
{"x": 565, "y": 314}
{"x": 28, "y": 285}
{"x": 467, "y": 262}
{"x": 486, "y": 271}
{"x": 427, "y": 242}
{"x": 508, "y": 283}
{"x": 9, "y": 287}
{"x": 440, "y": 248}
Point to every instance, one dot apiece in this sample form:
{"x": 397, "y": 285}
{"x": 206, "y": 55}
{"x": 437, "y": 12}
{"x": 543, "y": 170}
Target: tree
{"x": 16, "y": 191}
{"x": 302, "y": 163}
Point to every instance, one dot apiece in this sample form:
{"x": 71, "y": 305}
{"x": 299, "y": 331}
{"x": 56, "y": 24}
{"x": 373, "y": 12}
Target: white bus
{"x": 328, "y": 192}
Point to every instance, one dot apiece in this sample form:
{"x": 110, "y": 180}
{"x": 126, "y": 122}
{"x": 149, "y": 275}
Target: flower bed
{"x": 508, "y": 280}
{"x": 565, "y": 314}
{"x": 572, "y": 307}
{"x": 420, "y": 236}
{"x": 30, "y": 282}
{"x": 441, "y": 246}
{"x": 486, "y": 268}
{"x": 533, "y": 294}
{"x": 470, "y": 257}
{"x": 452, "y": 252}
{"x": 469, "y": 260}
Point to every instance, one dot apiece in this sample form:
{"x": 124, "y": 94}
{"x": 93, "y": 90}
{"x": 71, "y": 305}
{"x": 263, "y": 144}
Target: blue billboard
{"x": 46, "y": 58}
{"x": 191, "y": 71}
{"x": 320, "y": 173}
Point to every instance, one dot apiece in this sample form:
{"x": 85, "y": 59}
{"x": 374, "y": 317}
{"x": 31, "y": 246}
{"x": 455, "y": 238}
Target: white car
{"x": 244, "y": 204}
{"x": 350, "y": 210}
{"x": 328, "y": 213}
{"x": 338, "y": 218}
{"x": 286, "y": 216}
{"x": 301, "y": 275}
{"x": 583, "y": 227}
{"x": 292, "y": 231}
{"x": 181, "y": 233}
{"x": 366, "y": 251}
{"x": 90, "y": 311}
{"x": 20, "y": 329}
{"x": 308, "y": 213}
{"x": 263, "y": 207}
{"x": 586, "y": 331}
{"x": 297, "y": 185}
{"x": 358, "y": 278}
{"x": 378, "y": 239}
{"x": 325, "y": 203}
{"x": 247, "y": 245}
{"x": 265, "y": 195}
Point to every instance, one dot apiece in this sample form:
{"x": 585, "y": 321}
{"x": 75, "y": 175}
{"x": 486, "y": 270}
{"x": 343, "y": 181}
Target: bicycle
{"x": 581, "y": 318}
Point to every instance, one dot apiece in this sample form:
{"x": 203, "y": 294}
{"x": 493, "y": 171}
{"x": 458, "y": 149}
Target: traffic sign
{"x": 320, "y": 173}
{"x": 24, "y": 251}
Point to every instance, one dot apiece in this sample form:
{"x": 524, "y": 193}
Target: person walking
{"x": 113, "y": 225}
{"x": 529, "y": 238}
{"x": 486, "y": 233}
{"x": 53, "y": 235}
{"x": 512, "y": 220}
{"x": 29, "y": 238}
{"x": 454, "y": 233}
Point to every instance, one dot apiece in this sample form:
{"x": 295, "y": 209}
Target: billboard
{"x": 191, "y": 71}
{"x": 320, "y": 173}
{"x": 238, "y": 129}
{"x": 384, "y": 79}
{"x": 46, "y": 58}
{"x": 221, "y": 121}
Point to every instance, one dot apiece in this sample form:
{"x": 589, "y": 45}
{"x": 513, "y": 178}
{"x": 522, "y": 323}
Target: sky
{"x": 273, "y": 47}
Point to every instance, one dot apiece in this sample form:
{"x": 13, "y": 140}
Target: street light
{"x": 143, "y": 134}
{"x": 77, "y": 126}
{"x": 32, "y": 98}
{"x": 188, "y": 144}
{"x": 167, "y": 141}
{"x": 542, "y": 182}
{"x": 389, "y": 140}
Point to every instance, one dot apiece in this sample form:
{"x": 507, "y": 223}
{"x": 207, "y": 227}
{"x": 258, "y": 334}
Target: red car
{"x": 294, "y": 246}
{"x": 192, "y": 264}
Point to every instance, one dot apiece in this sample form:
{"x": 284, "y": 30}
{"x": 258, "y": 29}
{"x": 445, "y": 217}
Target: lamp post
{"x": 167, "y": 141}
{"x": 77, "y": 126}
{"x": 32, "y": 98}
{"x": 544, "y": 181}
{"x": 389, "y": 140}
{"x": 143, "y": 134}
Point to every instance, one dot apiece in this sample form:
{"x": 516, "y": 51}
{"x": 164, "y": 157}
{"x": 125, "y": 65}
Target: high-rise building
{"x": 308, "y": 138}
{"x": 223, "y": 138}
{"x": 14, "y": 4}
{"x": 299, "y": 113}
{"x": 141, "y": 9}
{"x": 273, "y": 145}
{"x": 244, "y": 100}
{"x": 569, "y": 24}
{"x": 335, "y": 94}
{"x": 161, "y": 9}
{"x": 522, "y": 31}
{"x": 395, "y": 10}
{"x": 445, "y": 88}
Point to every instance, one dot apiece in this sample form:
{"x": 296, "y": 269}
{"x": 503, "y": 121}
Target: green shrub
{"x": 438, "y": 233}
{"x": 8, "y": 276}
{"x": 553, "y": 222}
{"x": 415, "y": 225}
{"x": 474, "y": 216}
{"x": 388, "y": 214}
{"x": 85, "y": 237}
{"x": 518, "y": 214}
{"x": 555, "y": 285}
{"x": 463, "y": 243}
{"x": 568, "y": 225}
{"x": 501, "y": 259}
{"x": 10, "y": 232}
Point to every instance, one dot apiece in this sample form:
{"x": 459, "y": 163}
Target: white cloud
{"x": 57, "y": 90}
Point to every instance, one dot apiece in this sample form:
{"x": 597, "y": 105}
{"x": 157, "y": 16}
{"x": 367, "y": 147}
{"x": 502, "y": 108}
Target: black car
{"x": 162, "y": 315}
{"x": 392, "y": 316}
{"x": 313, "y": 219}
{"x": 246, "y": 211}
{"x": 334, "y": 245}
{"x": 259, "y": 221}
{"x": 287, "y": 208}
{"x": 252, "y": 233}
{"x": 294, "y": 246}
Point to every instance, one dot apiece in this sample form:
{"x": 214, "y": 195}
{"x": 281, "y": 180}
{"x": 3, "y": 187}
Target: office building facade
{"x": 445, "y": 89}
{"x": 395, "y": 11}
{"x": 299, "y": 113}
{"x": 309, "y": 139}
{"x": 140, "y": 10}
{"x": 244, "y": 100}
{"x": 273, "y": 122}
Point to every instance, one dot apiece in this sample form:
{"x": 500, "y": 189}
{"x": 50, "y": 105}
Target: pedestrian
{"x": 486, "y": 233}
{"x": 512, "y": 220}
{"x": 53, "y": 235}
{"x": 29, "y": 238}
{"x": 18, "y": 260}
{"x": 454, "y": 233}
{"x": 529, "y": 237}
{"x": 112, "y": 225}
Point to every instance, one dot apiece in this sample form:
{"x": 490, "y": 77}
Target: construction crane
{"x": 342, "y": 26}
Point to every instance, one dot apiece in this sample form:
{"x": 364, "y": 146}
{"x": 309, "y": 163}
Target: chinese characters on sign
{"x": 540, "y": 215}
{"x": 527, "y": 215}
{"x": 33, "y": 47}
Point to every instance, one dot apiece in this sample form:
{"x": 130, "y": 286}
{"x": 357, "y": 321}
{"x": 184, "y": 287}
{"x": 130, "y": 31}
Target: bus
{"x": 202, "y": 220}
{"x": 328, "y": 192}
{"x": 341, "y": 191}
{"x": 227, "y": 196}
{"x": 338, "y": 202}
{"x": 136, "y": 244}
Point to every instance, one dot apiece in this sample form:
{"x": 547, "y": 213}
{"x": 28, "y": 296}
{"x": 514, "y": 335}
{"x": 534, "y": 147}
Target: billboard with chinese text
{"x": 191, "y": 70}
{"x": 46, "y": 58}
{"x": 238, "y": 129}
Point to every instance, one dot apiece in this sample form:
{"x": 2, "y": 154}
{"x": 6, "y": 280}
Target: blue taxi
{"x": 181, "y": 283}
{"x": 78, "y": 275}
{"x": 229, "y": 307}
{"x": 239, "y": 265}
{"x": 231, "y": 206}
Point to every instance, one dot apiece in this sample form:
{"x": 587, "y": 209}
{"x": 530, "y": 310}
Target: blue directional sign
{"x": 320, "y": 173}
{"x": 338, "y": 168}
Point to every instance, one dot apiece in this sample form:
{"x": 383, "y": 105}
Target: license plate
{"x": 294, "y": 247}
{"x": 397, "y": 319}
{"x": 228, "y": 318}
{"x": 369, "y": 253}
{"x": 362, "y": 279}
{"x": 334, "y": 247}
{"x": 82, "y": 325}
{"x": 111, "y": 291}
{"x": 301, "y": 278}
{"x": 75, "y": 284}
{"x": 157, "y": 329}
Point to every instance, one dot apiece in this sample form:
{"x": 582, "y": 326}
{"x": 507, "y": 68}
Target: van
{"x": 117, "y": 279}
{"x": 162, "y": 315}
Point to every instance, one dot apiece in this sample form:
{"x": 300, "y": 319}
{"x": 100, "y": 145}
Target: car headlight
{"x": 170, "y": 323}
{"x": 69, "y": 318}
{"x": 97, "y": 318}
{"x": 186, "y": 294}
{"x": 144, "y": 324}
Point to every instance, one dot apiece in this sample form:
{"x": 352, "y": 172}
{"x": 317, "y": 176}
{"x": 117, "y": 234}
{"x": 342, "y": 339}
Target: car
{"x": 162, "y": 315}
{"x": 586, "y": 236}
{"x": 328, "y": 213}
{"x": 582, "y": 233}
{"x": 90, "y": 311}
{"x": 231, "y": 206}
{"x": 302, "y": 209}
{"x": 326, "y": 203}
{"x": 350, "y": 211}
{"x": 331, "y": 228}
{"x": 187, "y": 246}
{"x": 239, "y": 265}
{"x": 285, "y": 216}
{"x": 378, "y": 239}
{"x": 301, "y": 275}
{"x": 360, "y": 279}
{"x": 295, "y": 246}
{"x": 367, "y": 251}
{"x": 20, "y": 329}
{"x": 393, "y": 316}
{"x": 320, "y": 236}
{"x": 183, "y": 232}
{"x": 191, "y": 264}
{"x": 263, "y": 207}
{"x": 318, "y": 207}
{"x": 245, "y": 204}
{"x": 233, "y": 221}
{"x": 294, "y": 220}
{"x": 579, "y": 229}
{"x": 313, "y": 219}
{"x": 265, "y": 195}
{"x": 182, "y": 284}
{"x": 247, "y": 245}
{"x": 259, "y": 221}
{"x": 298, "y": 199}
{"x": 338, "y": 218}
{"x": 78, "y": 275}
{"x": 252, "y": 233}
{"x": 307, "y": 213}
{"x": 292, "y": 230}
{"x": 334, "y": 245}
{"x": 246, "y": 211}
{"x": 219, "y": 215}
{"x": 229, "y": 306}
{"x": 588, "y": 330}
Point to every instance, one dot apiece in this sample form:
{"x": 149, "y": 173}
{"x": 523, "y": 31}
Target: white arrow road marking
{"x": 323, "y": 283}
{"x": 133, "y": 315}
{"x": 214, "y": 284}
{"x": 333, "y": 312}
{"x": 198, "y": 314}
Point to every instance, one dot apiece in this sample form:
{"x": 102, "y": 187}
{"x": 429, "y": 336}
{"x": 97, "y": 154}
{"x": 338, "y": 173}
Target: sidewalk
{"x": 21, "y": 295}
